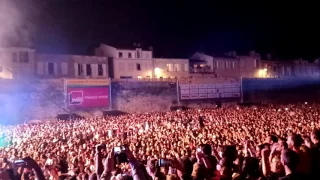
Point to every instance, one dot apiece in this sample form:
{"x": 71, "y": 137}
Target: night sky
{"x": 175, "y": 28}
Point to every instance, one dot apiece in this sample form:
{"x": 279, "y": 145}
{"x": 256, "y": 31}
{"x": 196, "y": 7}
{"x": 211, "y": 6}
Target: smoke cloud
{"x": 16, "y": 27}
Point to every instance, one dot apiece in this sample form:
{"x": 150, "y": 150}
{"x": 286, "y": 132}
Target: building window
{"x": 233, "y": 64}
{"x": 169, "y": 67}
{"x": 138, "y": 54}
{"x": 129, "y": 55}
{"x": 80, "y": 69}
{"x": 21, "y": 57}
{"x": 175, "y": 67}
{"x": 88, "y": 69}
{"x": 226, "y": 64}
{"x": 14, "y": 57}
{"x": 217, "y": 64}
{"x": 100, "y": 70}
{"x": 25, "y": 57}
{"x": 138, "y": 67}
{"x": 120, "y": 55}
{"x": 289, "y": 71}
{"x": 51, "y": 68}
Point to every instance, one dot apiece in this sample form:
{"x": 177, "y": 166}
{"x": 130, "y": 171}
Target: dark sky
{"x": 178, "y": 28}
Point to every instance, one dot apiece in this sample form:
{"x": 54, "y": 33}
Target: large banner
{"x": 210, "y": 91}
{"x": 87, "y": 93}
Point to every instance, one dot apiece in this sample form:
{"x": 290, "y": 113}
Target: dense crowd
{"x": 269, "y": 142}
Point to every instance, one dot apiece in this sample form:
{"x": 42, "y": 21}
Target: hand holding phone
{"x": 120, "y": 154}
{"x": 164, "y": 162}
{"x": 199, "y": 156}
{"x": 26, "y": 162}
{"x": 110, "y": 162}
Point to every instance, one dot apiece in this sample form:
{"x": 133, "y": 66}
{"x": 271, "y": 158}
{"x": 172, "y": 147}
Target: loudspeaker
{"x": 113, "y": 113}
{"x": 63, "y": 116}
{"x": 174, "y": 108}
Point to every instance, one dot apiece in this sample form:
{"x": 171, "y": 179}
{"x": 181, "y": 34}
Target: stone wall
{"x": 136, "y": 97}
{"x": 22, "y": 101}
{"x": 44, "y": 99}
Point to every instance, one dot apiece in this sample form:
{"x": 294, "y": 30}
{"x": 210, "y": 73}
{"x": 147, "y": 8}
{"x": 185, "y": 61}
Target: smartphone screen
{"x": 199, "y": 150}
{"x": 19, "y": 162}
{"x": 163, "y": 162}
{"x": 119, "y": 155}
{"x": 49, "y": 162}
{"x": 117, "y": 150}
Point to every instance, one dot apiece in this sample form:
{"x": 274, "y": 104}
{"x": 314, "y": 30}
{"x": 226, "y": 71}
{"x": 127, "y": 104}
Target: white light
{"x": 305, "y": 102}
{"x": 286, "y": 109}
{"x": 262, "y": 73}
{"x": 157, "y": 72}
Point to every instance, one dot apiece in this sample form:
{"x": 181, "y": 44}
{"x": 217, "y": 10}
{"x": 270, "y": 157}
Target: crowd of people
{"x": 265, "y": 142}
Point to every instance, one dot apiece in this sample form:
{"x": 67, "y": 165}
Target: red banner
{"x": 88, "y": 97}
{"x": 83, "y": 94}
